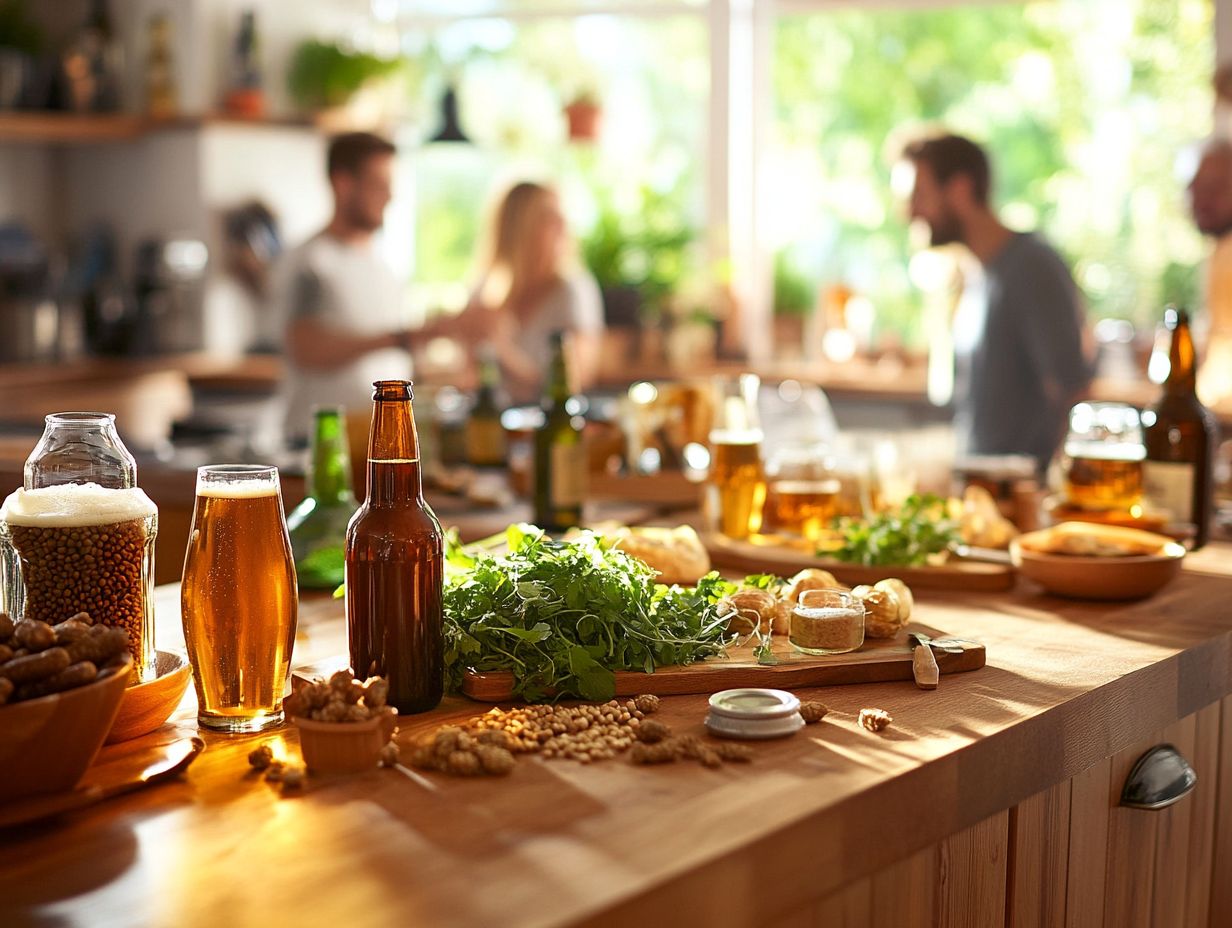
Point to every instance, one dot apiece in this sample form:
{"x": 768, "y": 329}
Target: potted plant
{"x": 794, "y": 295}
{"x": 326, "y": 79}
{"x": 582, "y": 114}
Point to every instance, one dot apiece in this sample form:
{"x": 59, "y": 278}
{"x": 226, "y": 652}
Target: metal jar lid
{"x": 754, "y": 713}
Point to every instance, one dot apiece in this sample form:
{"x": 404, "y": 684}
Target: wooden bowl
{"x": 47, "y": 744}
{"x": 147, "y": 705}
{"x": 1106, "y": 578}
{"x": 343, "y": 747}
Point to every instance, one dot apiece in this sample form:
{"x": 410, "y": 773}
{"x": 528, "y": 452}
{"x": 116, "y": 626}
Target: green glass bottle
{"x": 318, "y": 524}
{"x": 560, "y": 456}
{"x": 485, "y": 438}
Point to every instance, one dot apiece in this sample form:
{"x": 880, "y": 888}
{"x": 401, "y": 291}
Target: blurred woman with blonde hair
{"x": 531, "y": 285}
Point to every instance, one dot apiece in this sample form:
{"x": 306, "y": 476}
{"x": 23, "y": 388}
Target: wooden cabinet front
{"x": 1070, "y": 855}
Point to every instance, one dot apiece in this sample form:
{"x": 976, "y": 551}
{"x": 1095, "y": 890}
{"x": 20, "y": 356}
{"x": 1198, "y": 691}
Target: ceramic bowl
{"x": 147, "y": 705}
{"x": 343, "y": 747}
{"x": 47, "y": 744}
{"x": 1105, "y": 578}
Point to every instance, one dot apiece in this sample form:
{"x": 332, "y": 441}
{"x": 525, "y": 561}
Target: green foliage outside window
{"x": 1084, "y": 106}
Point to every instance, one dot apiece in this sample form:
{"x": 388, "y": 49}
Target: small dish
{"x": 753, "y": 712}
{"x": 147, "y": 705}
{"x": 47, "y": 744}
{"x": 1133, "y": 576}
{"x": 343, "y": 747}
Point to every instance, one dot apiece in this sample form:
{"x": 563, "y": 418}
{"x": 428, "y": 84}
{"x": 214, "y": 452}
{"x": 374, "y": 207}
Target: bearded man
{"x": 1018, "y": 332}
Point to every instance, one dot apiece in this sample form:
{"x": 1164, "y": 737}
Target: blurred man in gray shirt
{"x": 1020, "y": 362}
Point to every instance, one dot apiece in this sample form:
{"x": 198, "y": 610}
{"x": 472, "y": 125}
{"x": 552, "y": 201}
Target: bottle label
{"x": 1170, "y": 485}
{"x": 568, "y": 475}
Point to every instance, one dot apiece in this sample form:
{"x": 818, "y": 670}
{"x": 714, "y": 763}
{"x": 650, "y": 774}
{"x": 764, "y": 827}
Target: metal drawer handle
{"x": 1160, "y": 777}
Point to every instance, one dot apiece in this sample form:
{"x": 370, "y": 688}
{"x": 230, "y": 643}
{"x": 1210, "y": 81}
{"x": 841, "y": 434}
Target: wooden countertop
{"x": 1067, "y": 684}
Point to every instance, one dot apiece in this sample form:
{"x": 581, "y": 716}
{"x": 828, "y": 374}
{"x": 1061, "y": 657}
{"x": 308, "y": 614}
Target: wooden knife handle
{"x": 924, "y": 668}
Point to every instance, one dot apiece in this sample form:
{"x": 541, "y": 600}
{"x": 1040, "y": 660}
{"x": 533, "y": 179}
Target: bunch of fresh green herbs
{"x": 563, "y": 616}
{"x": 919, "y": 532}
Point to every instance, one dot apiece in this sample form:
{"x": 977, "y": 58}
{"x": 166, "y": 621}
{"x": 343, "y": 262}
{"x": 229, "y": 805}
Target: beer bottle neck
{"x": 557, "y": 393}
{"x": 393, "y": 447}
{"x": 330, "y": 477}
{"x": 1182, "y": 363}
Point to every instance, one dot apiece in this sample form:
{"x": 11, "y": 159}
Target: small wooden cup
{"x": 343, "y": 747}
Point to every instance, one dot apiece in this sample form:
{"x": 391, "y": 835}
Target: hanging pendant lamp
{"x": 451, "y": 128}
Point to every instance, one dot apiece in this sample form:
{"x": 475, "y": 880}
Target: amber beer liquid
{"x": 395, "y": 559}
{"x": 239, "y": 598}
{"x": 738, "y": 481}
{"x": 802, "y": 507}
{"x": 1105, "y": 477}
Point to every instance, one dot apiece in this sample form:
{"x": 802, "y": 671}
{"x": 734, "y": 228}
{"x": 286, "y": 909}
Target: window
{"x": 1084, "y": 106}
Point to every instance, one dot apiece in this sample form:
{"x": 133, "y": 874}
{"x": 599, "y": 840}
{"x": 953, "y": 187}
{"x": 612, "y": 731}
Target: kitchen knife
{"x": 923, "y": 662}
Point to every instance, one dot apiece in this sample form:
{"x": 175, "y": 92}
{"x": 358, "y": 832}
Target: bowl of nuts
{"x": 343, "y": 724}
{"x": 60, "y": 690}
{"x": 146, "y": 705}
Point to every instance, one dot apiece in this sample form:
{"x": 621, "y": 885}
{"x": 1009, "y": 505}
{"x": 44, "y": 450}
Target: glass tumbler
{"x": 1103, "y": 455}
{"x": 827, "y": 622}
{"x": 238, "y": 598}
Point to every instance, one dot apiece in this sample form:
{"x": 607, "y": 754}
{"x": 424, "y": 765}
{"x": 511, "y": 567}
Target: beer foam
{"x": 736, "y": 436}
{"x": 75, "y": 504}
{"x": 237, "y": 489}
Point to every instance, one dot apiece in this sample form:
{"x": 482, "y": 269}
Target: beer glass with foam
{"x": 238, "y": 598}
{"x": 1103, "y": 455}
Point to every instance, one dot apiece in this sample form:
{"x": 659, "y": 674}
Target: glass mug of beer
{"x": 238, "y": 598}
{"x": 737, "y": 486}
{"x": 1102, "y": 462}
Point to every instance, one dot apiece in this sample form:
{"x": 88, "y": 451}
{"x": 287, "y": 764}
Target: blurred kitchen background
{"x": 726, "y": 165}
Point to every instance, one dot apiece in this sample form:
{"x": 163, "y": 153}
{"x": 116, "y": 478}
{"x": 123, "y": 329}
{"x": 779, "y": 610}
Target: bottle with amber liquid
{"x": 560, "y": 456}
{"x": 1180, "y": 437}
{"x": 485, "y": 437}
{"x": 395, "y": 563}
{"x": 318, "y": 524}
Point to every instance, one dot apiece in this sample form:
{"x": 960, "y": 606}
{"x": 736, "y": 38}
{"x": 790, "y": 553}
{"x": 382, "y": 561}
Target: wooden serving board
{"x": 750, "y": 557}
{"x": 878, "y": 661}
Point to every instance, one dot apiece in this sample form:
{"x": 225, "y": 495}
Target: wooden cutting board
{"x": 878, "y": 661}
{"x": 751, "y": 558}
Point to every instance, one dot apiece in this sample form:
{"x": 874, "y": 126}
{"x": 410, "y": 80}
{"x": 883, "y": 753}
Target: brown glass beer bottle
{"x": 1180, "y": 436}
{"x": 395, "y": 563}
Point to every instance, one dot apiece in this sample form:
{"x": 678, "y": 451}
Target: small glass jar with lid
{"x": 79, "y": 535}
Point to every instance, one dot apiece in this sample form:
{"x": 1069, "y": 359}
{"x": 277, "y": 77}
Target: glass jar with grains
{"x": 79, "y": 535}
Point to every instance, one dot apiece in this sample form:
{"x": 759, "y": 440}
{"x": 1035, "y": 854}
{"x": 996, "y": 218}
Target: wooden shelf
{"x": 83, "y": 129}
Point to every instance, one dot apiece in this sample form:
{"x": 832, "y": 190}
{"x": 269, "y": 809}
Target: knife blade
{"x": 923, "y": 662}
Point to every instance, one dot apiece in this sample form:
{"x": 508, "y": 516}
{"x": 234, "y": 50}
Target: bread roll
{"x": 676, "y": 553}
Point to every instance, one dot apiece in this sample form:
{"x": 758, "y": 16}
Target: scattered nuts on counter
{"x": 588, "y": 733}
{"x": 875, "y": 719}
{"x": 651, "y": 731}
{"x": 813, "y": 712}
{"x": 690, "y": 747}
{"x": 647, "y": 703}
{"x": 260, "y": 757}
{"x": 389, "y": 754}
{"x": 37, "y": 659}
{"x": 292, "y": 777}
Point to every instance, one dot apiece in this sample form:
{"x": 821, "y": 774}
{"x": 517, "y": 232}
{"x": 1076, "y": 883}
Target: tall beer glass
{"x": 737, "y": 488}
{"x": 238, "y": 598}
